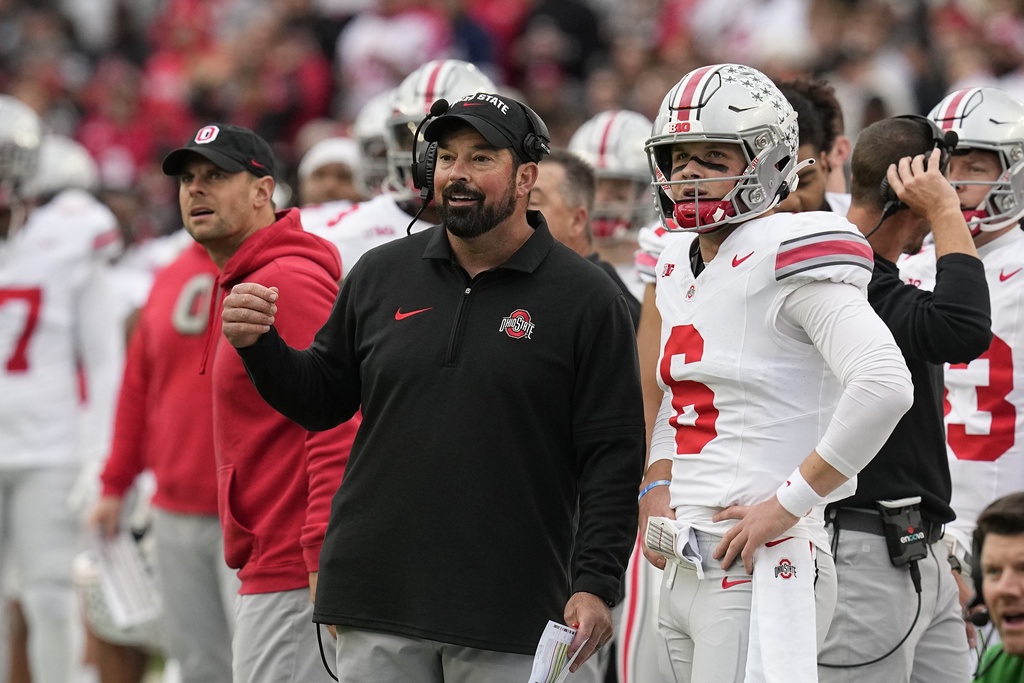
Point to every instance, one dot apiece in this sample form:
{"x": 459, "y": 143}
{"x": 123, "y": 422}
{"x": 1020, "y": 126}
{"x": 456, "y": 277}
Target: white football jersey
{"x": 357, "y": 228}
{"x": 651, "y": 240}
{"x": 58, "y": 314}
{"x": 984, "y": 401}
{"x": 749, "y": 403}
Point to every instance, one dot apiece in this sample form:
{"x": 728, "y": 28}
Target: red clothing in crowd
{"x": 275, "y": 479}
{"x": 165, "y": 409}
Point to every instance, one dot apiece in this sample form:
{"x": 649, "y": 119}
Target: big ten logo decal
{"x": 192, "y": 309}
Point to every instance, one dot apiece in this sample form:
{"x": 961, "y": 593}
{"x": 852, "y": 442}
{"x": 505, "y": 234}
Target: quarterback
{"x": 780, "y": 383}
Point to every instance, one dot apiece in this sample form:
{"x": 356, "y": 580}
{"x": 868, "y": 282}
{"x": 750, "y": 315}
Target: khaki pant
{"x": 376, "y": 657}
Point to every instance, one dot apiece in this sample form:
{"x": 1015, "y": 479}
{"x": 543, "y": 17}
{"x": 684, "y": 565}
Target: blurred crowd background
{"x": 131, "y": 79}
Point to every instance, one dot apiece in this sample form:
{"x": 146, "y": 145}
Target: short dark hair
{"x": 580, "y": 184}
{"x": 880, "y": 144}
{"x": 1004, "y": 516}
{"x": 823, "y": 96}
{"x": 808, "y": 119}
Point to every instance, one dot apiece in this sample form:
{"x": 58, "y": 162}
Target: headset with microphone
{"x": 945, "y": 141}
{"x": 532, "y": 147}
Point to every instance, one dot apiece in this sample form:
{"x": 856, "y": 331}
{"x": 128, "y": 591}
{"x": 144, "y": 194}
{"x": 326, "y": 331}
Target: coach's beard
{"x": 467, "y": 222}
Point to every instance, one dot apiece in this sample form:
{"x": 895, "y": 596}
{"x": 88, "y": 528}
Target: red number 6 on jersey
{"x": 693, "y": 403}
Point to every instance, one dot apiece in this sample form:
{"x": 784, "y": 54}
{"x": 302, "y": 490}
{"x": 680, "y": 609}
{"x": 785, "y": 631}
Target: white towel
{"x": 783, "y": 644}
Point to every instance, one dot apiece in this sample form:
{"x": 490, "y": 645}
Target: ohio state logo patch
{"x": 207, "y": 134}
{"x": 517, "y": 324}
{"x": 785, "y": 569}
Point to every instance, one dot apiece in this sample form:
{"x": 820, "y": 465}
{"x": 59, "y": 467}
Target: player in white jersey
{"x": 56, "y": 316}
{"x": 356, "y": 228}
{"x": 780, "y": 384}
{"x": 984, "y": 402}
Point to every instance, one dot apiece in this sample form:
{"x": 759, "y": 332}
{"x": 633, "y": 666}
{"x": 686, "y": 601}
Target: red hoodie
{"x": 275, "y": 480}
{"x": 165, "y": 408}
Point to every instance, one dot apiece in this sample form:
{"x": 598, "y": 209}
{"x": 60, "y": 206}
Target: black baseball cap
{"x": 231, "y": 148}
{"x": 502, "y": 121}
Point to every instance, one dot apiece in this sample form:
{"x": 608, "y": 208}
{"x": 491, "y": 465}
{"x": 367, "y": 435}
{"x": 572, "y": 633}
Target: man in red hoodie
{"x": 275, "y": 480}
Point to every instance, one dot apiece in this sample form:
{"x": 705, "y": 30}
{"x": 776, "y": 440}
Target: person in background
{"x": 164, "y": 424}
{"x": 999, "y": 549}
{"x": 875, "y": 634}
{"x": 274, "y": 479}
{"x": 564, "y": 193}
{"x": 983, "y": 441}
{"x": 327, "y": 172}
{"x": 58, "y": 326}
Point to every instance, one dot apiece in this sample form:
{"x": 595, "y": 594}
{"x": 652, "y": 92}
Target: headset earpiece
{"x": 945, "y": 141}
{"x": 537, "y": 142}
{"x": 423, "y": 160}
{"x": 423, "y": 171}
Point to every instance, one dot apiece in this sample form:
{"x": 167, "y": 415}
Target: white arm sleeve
{"x": 663, "y": 438}
{"x": 862, "y": 354}
{"x": 100, "y": 340}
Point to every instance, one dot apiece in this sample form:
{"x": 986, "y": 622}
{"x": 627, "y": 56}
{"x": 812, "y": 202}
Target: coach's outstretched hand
{"x": 248, "y": 313}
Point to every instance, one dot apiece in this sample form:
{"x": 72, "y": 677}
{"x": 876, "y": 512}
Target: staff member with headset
{"x": 499, "y": 386}
{"x": 999, "y": 578}
{"x": 898, "y": 616}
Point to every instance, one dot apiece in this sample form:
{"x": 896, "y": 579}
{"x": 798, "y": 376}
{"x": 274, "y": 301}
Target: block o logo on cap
{"x": 207, "y": 134}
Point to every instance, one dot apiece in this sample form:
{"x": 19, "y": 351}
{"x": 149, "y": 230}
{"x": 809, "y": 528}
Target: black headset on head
{"x": 945, "y": 141}
{"x": 533, "y": 147}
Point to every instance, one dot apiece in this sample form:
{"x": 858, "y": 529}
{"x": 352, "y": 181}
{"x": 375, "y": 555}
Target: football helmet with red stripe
{"x": 613, "y": 144}
{"x": 991, "y": 120}
{"x": 368, "y": 130}
{"x": 450, "y": 79}
{"x": 725, "y": 103}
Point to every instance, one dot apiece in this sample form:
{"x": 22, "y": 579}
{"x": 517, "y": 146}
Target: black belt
{"x": 869, "y": 521}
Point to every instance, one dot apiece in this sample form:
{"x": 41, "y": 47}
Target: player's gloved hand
{"x": 655, "y": 503}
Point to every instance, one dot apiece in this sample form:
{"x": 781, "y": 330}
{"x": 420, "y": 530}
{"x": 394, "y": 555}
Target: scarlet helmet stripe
{"x": 602, "y": 149}
{"x": 954, "y": 111}
{"x": 432, "y": 78}
{"x": 688, "y": 88}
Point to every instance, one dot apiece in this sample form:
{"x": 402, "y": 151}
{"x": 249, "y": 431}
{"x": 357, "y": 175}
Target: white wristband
{"x": 797, "y": 496}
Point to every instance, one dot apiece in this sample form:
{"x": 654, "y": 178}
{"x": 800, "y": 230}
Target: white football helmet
{"x": 729, "y": 103}
{"x": 368, "y": 130}
{"x": 63, "y": 164}
{"x": 21, "y": 134}
{"x": 992, "y": 120}
{"x": 613, "y": 144}
{"x": 450, "y": 79}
